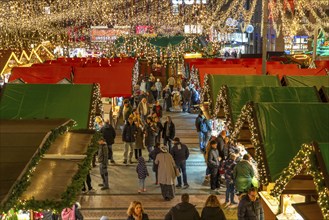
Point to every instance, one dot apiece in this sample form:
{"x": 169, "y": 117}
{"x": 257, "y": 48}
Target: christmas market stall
{"x": 312, "y": 160}
{"x": 115, "y": 82}
{"x": 298, "y": 72}
{"x": 22, "y": 142}
{"x": 324, "y": 94}
{"x": 277, "y": 130}
{"x": 213, "y": 84}
{"x": 231, "y": 99}
{"x": 300, "y": 81}
{"x": 39, "y": 101}
{"x": 41, "y": 74}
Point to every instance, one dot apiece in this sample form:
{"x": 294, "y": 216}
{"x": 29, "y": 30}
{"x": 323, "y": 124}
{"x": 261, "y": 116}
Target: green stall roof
{"x": 284, "y": 127}
{"x": 300, "y": 81}
{"x": 216, "y": 81}
{"x": 239, "y": 96}
{"x": 40, "y": 101}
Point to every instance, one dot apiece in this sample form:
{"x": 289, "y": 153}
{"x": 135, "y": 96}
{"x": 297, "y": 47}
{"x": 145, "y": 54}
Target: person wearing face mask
{"x": 250, "y": 207}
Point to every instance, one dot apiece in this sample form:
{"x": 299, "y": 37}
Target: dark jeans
{"x": 168, "y": 142}
{"x": 214, "y": 178}
{"x": 229, "y": 192}
{"x": 110, "y": 152}
{"x": 138, "y": 153}
{"x": 88, "y": 181}
{"x": 182, "y": 167}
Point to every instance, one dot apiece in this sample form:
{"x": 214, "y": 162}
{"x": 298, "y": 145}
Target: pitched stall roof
{"x": 19, "y": 142}
{"x": 232, "y": 98}
{"x": 41, "y": 74}
{"x": 214, "y": 83}
{"x": 28, "y": 101}
{"x": 54, "y": 173}
{"x": 279, "y": 129}
{"x": 302, "y": 81}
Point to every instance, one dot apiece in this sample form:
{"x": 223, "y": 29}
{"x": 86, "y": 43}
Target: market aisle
{"x": 124, "y": 182}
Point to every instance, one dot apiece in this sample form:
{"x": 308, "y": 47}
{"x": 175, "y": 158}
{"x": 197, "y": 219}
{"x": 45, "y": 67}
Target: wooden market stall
{"x": 231, "y": 100}
{"x": 312, "y": 162}
{"x": 277, "y": 130}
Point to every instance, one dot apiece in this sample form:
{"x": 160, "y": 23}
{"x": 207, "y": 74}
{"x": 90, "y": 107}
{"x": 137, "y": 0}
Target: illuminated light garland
{"x": 305, "y": 158}
{"x": 22, "y": 184}
{"x": 135, "y": 74}
{"x": 205, "y": 94}
{"x": 247, "y": 115}
{"x": 96, "y": 105}
{"x": 68, "y": 198}
{"x": 222, "y": 101}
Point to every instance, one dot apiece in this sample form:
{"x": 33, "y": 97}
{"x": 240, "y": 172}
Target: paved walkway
{"x": 124, "y": 183}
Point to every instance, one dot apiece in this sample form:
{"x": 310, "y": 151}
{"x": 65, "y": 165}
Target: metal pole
{"x": 315, "y": 43}
{"x": 265, "y": 22}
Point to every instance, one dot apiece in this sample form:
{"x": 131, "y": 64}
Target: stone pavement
{"x": 124, "y": 183}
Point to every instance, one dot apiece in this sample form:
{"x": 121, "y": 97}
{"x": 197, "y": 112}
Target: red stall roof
{"x": 41, "y": 74}
{"x": 298, "y": 72}
{"x": 114, "y": 81}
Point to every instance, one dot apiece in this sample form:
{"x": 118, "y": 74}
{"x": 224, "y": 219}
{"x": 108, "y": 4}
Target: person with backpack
{"x": 72, "y": 213}
{"x": 204, "y": 131}
{"x": 103, "y": 162}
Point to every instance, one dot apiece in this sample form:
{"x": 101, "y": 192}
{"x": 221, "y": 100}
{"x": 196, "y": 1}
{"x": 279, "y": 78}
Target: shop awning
{"x": 41, "y": 74}
{"x": 301, "y": 81}
{"x": 20, "y": 140}
{"x": 40, "y": 101}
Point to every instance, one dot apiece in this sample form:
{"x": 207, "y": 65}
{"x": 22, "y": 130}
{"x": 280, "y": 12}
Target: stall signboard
{"x": 192, "y": 29}
{"x": 103, "y": 34}
{"x": 144, "y": 29}
{"x": 188, "y": 2}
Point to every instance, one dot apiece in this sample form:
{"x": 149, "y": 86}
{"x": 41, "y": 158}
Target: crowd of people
{"x": 228, "y": 165}
{"x": 178, "y": 95}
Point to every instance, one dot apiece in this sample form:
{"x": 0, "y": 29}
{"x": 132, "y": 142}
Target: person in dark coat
{"x": 250, "y": 207}
{"x": 129, "y": 137}
{"x": 77, "y": 213}
{"x": 142, "y": 173}
{"x": 221, "y": 143}
{"x": 213, "y": 163}
{"x": 168, "y": 133}
{"x": 180, "y": 154}
{"x": 153, "y": 155}
{"x": 136, "y": 211}
{"x": 198, "y": 122}
{"x": 187, "y": 95}
{"x": 109, "y": 134}
{"x": 103, "y": 162}
{"x": 212, "y": 210}
{"x": 183, "y": 210}
{"x": 159, "y": 129}
{"x": 150, "y": 132}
